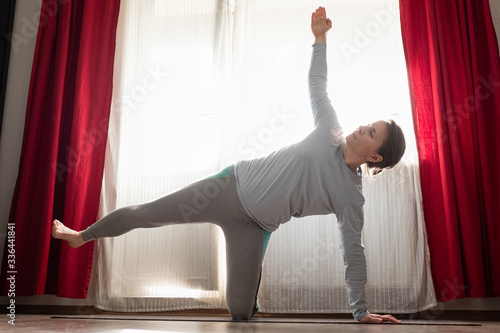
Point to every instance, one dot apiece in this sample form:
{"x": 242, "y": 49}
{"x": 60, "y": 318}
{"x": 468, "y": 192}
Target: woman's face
{"x": 365, "y": 141}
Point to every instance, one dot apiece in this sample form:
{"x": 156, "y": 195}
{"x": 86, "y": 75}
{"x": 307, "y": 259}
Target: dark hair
{"x": 392, "y": 149}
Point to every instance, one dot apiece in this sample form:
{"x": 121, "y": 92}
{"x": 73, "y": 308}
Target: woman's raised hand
{"x": 320, "y": 25}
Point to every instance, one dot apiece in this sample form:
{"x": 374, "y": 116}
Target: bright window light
{"x": 179, "y": 292}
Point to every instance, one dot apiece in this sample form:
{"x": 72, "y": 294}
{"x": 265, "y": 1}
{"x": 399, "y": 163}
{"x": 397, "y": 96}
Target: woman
{"x": 249, "y": 200}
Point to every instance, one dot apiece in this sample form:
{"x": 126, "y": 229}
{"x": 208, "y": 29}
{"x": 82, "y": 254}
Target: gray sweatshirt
{"x": 311, "y": 178}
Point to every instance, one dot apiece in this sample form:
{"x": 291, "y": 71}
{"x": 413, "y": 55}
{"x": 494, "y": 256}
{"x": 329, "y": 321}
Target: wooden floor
{"x": 44, "y": 323}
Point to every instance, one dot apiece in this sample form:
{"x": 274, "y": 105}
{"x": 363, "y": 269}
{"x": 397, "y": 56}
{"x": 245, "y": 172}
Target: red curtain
{"x": 454, "y": 78}
{"x": 62, "y": 157}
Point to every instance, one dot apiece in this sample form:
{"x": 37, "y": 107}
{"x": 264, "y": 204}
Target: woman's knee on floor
{"x": 241, "y": 311}
{"x": 241, "y": 316}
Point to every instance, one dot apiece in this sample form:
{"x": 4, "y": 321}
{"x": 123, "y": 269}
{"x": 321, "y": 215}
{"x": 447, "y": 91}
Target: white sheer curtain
{"x": 202, "y": 84}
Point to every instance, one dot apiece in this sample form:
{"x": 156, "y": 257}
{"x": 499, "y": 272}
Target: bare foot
{"x": 60, "y": 231}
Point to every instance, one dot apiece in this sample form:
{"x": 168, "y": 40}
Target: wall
{"x": 25, "y": 25}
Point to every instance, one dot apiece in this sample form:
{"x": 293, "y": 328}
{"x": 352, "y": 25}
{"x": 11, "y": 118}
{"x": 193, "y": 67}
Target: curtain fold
{"x": 454, "y": 74}
{"x": 62, "y": 157}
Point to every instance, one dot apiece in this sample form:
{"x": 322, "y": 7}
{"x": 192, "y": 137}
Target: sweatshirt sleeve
{"x": 323, "y": 112}
{"x": 350, "y": 223}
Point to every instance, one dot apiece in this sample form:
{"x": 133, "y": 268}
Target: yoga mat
{"x": 261, "y": 320}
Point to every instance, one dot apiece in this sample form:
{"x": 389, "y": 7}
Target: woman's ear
{"x": 375, "y": 158}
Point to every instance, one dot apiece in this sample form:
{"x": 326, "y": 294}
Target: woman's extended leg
{"x": 211, "y": 200}
{"x": 192, "y": 203}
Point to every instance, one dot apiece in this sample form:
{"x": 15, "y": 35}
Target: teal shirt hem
{"x": 266, "y": 236}
{"x": 226, "y": 172}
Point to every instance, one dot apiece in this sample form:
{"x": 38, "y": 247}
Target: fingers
{"x": 320, "y": 14}
{"x": 322, "y": 11}
{"x": 385, "y": 318}
{"x": 375, "y": 318}
{"x": 389, "y": 318}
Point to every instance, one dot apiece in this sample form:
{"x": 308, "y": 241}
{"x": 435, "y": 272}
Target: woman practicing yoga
{"x": 250, "y": 199}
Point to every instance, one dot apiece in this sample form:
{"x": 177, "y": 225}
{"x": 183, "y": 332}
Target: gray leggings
{"x": 212, "y": 200}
